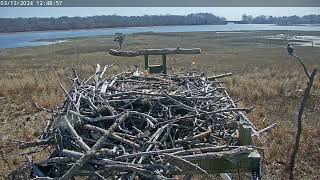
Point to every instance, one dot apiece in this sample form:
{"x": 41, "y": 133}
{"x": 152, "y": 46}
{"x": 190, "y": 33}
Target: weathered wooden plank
{"x": 243, "y": 162}
{"x": 154, "y": 52}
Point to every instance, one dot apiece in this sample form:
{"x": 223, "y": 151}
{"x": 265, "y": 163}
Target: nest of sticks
{"x": 128, "y": 126}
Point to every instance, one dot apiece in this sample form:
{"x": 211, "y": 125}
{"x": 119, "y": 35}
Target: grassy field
{"x": 265, "y": 77}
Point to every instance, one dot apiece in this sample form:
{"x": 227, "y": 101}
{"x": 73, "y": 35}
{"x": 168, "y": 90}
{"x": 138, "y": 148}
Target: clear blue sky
{"x": 231, "y": 13}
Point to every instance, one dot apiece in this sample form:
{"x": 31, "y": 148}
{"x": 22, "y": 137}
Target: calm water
{"x": 12, "y": 40}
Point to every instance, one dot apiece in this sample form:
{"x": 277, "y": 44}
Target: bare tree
{"x": 119, "y": 37}
{"x": 305, "y": 98}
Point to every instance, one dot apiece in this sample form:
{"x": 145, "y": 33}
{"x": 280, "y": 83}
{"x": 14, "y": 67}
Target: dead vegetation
{"x": 264, "y": 77}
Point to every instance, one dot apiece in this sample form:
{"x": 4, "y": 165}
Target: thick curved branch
{"x": 299, "y": 124}
{"x": 303, "y": 65}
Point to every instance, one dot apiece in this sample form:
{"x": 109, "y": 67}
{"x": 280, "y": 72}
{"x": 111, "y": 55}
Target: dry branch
{"x": 299, "y": 123}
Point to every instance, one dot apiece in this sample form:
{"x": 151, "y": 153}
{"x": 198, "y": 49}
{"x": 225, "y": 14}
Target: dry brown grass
{"x": 266, "y": 78}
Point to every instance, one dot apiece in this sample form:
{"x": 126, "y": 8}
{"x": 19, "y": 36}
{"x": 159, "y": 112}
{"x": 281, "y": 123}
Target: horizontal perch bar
{"x": 155, "y": 52}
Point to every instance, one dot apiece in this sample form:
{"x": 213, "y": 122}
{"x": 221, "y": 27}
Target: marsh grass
{"x": 266, "y": 78}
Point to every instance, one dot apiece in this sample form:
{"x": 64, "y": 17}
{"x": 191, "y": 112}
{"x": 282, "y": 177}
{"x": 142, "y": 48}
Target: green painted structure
{"x": 242, "y": 162}
{"x": 162, "y": 68}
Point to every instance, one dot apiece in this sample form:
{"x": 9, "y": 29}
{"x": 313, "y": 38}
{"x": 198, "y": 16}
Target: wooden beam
{"x": 164, "y": 64}
{"x": 123, "y": 53}
{"x": 154, "y": 52}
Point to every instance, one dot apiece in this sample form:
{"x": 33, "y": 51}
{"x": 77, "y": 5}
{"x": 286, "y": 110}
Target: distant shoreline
{"x": 84, "y": 29}
{"x": 39, "y": 38}
{"x": 106, "y": 28}
{"x": 131, "y": 27}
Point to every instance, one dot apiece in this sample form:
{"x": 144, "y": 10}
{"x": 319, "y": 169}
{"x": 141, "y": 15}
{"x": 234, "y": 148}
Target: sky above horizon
{"x": 231, "y": 13}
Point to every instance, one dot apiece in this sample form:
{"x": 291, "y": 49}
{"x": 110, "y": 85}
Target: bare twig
{"x": 70, "y": 173}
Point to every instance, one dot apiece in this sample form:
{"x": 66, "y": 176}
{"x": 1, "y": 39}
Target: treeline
{"x": 285, "y": 20}
{"x": 110, "y": 21}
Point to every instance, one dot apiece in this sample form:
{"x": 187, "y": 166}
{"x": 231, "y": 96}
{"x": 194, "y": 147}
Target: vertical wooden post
{"x": 270, "y": 42}
{"x": 245, "y": 134}
{"x": 146, "y": 62}
{"x": 164, "y": 64}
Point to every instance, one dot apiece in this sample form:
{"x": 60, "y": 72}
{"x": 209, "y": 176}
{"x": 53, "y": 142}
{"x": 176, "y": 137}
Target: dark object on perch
{"x": 290, "y": 49}
{"x": 163, "y": 52}
{"x": 119, "y": 37}
{"x": 153, "y": 127}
